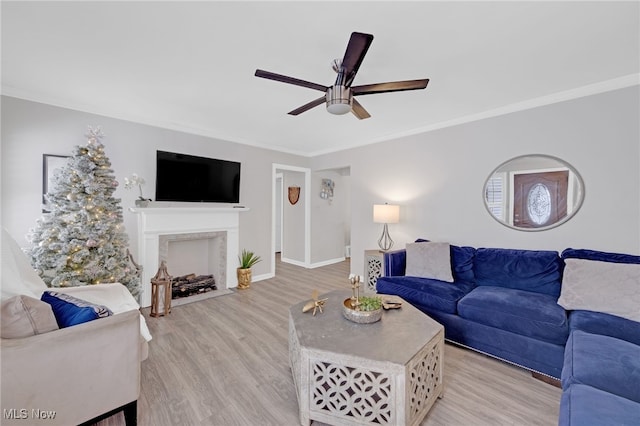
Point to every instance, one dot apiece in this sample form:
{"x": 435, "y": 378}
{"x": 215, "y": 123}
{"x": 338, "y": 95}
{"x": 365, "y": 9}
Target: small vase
{"x": 244, "y": 278}
{"x": 142, "y": 203}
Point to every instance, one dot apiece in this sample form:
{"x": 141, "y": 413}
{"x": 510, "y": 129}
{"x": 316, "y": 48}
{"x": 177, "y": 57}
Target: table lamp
{"x": 386, "y": 213}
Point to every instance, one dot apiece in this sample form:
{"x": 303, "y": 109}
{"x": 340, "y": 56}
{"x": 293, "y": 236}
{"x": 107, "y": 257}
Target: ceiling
{"x": 189, "y": 66}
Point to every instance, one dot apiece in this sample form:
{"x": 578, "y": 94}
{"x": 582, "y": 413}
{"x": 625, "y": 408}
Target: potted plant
{"x": 367, "y": 309}
{"x": 247, "y": 259}
{"x": 135, "y": 180}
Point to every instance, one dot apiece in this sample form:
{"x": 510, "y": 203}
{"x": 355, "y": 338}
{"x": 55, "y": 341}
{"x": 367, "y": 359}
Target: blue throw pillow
{"x": 70, "y": 310}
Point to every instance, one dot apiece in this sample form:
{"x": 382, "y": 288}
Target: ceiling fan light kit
{"x": 339, "y": 100}
{"x": 339, "y": 96}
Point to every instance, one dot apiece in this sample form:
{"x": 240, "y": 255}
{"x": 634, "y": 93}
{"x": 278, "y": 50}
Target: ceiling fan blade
{"x": 354, "y": 55}
{"x": 286, "y": 79}
{"x": 394, "y": 86}
{"x": 359, "y": 111}
{"x": 308, "y": 106}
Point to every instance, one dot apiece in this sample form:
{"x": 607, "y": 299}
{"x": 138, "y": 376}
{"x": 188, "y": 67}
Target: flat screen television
{"x": 182, "y": 177}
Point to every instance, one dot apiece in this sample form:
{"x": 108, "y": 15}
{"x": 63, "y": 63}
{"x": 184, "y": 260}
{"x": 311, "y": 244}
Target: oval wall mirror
{"x": 533, "y": 192}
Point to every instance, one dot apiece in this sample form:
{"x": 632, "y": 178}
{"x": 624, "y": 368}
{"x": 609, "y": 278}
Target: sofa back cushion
{"x": 462, "y": 264}
{"x": 18, "y": 277}
{"x": 601, "y": 256}
{"x": 539, "y": 271}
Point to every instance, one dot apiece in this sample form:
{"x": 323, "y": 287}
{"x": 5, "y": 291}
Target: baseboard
{"x": 294, "y": 262}
{"x": 327, "y": 262}
{"x": 313, "y": 265}
{"x": 262, "y": 277}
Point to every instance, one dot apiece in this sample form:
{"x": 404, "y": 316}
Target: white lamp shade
{"x": 386, "y": 213}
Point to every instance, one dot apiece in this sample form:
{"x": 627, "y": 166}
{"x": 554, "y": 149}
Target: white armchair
{"x": 76, "y": 374}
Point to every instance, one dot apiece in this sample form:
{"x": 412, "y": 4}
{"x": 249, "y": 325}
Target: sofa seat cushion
{"x": 605, "y": 324}
{"x": 529, "y": 314}
{"x": 603, "y": 362}
{"x": 530, "y": 270}
{"x": 433, "y": 294}
{"x": 582, "y": 405}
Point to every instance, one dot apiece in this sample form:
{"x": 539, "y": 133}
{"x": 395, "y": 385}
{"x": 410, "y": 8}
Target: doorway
{"x": 300, "y": 248}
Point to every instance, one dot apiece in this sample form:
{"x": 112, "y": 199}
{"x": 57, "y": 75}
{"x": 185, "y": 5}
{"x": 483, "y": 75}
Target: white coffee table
{"x": 387, "y": 373}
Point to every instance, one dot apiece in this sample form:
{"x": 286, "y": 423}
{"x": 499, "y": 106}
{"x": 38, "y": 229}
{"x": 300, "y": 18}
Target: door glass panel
{"x": 539, "y": 204}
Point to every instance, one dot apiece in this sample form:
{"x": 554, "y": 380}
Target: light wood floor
{"x": 224, "y": 361}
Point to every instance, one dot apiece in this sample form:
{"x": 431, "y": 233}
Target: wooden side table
{"x": 374, "y": 267}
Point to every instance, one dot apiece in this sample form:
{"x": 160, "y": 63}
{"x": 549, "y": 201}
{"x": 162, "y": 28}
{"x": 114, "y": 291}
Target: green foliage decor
{"x": 247, "y": 259}
{"x": 370, "y": 303}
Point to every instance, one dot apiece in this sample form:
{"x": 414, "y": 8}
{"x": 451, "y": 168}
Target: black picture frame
{"x": 50, "y": 163}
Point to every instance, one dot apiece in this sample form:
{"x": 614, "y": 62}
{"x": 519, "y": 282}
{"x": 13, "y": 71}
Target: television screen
{"x": 182, "y": 177}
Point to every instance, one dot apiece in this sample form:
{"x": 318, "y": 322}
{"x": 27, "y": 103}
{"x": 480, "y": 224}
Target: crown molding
{"x": 567, "y": 95}
{"x": 579, "y": 92}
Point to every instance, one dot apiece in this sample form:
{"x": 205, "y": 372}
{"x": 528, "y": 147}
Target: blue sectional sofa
{"x": 601, "y": 371}
{"x": 504, "y": 303}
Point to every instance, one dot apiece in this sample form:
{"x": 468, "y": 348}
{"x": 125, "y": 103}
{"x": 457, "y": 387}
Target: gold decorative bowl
{"x": 360, "y": 317}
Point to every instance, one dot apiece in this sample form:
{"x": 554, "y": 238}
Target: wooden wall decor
{"x": 294, "y": 194}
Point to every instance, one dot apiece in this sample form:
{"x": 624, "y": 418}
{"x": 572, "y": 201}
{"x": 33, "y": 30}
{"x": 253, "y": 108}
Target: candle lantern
{"x": 161, "y": 292}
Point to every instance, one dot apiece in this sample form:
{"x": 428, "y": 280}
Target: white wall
{"x": 31, "y": 129}
{"x": 438, "y": 177}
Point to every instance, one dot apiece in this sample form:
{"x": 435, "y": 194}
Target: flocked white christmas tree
{"x": 82, "y": 240}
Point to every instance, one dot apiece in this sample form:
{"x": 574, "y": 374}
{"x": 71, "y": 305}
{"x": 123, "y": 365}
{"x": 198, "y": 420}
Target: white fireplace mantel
{"x": 156, "y": 221}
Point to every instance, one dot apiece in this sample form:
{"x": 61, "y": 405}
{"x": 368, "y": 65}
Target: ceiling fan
{"x": 340, "y": 97}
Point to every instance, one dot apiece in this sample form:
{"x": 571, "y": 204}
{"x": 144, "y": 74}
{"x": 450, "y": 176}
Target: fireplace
{"x": 207, "y": 235}
{"x": 199, "y": 259}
